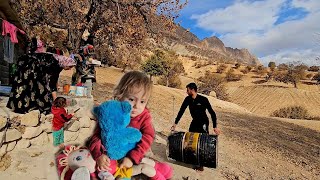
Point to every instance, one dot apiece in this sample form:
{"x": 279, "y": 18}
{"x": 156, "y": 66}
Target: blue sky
{"x": 274, "y": 30}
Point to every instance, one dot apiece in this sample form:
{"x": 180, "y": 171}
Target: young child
{"x": 134, "y": 87}
{"x": 60, "y": 116}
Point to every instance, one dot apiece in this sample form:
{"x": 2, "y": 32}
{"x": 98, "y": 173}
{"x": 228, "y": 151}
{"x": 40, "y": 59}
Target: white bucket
{"x": 72, "y": 91}
{"x": 79, "y": 91}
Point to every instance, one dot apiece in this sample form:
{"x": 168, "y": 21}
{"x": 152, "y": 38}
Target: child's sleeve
{"x": 95, "y": 145}
{"x": 66, "y": 117}
{"x": 144, "y": 145}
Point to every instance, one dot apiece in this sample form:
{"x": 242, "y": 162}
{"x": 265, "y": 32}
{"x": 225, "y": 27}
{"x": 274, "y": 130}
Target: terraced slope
{"x": 264, "y": 100}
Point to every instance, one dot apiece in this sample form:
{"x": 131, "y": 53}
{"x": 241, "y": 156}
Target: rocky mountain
{"x": 186, "y": 43}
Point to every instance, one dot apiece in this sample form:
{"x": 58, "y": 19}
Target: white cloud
{"x": 309, "y": 5}
{"x": 252, "y": 26}
{"x": 306, "y": 56}
{"x": 241, "y": 17}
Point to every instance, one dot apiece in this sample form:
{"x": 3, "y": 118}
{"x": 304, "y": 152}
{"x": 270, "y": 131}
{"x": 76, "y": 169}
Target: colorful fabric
{"x": 8, "y": 28}
{"x": 58, "y": 137}
{"x": 40, "y": 46}
{"x": 33, "y": 83}
{"x": 123, "y": 173}
{"x": 64, "y": 61}
{"x": 8, "y": 47}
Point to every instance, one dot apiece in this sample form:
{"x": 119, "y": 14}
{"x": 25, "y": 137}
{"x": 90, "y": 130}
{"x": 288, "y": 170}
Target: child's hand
{"x": 126, "y": 163}
{"x": 103, "y": 163}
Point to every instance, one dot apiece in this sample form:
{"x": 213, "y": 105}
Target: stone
{"x": 50, "y": 137}
{"x": 42, "y": 118}
{"x": 49, "y": 117}
{"x": 11, "y": 145}
{"x": 12, "y": 135}
{"x": 73, "y": 126}
{"x": 31, "y": 132}
{"x": 46, "y": 127}
{"x": 40, "y": 140}
{"x": 85, "y": 122}
{"x": 213, "y": 94}
{"x": 23, "y": 144}
{"x": 3, "y": 122}
{"x": 85, "y": 134}
{"x": 70, "y": 136}
{"x": 31, "y": 118}
{"x": 3, "y": 150}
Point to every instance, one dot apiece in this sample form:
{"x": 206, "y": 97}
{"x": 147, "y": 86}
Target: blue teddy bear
{"x": 114, "y": 117}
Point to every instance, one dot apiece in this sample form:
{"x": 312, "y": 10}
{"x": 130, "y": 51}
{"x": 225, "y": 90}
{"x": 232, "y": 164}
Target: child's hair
{"x": 60, "y": 102}
{"x": 131, "y": 80}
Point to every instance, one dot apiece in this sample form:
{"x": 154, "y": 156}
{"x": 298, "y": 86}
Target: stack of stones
{"x": 19, "y": 131}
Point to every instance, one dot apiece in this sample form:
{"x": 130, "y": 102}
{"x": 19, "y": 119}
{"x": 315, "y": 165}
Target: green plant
{"x": 272, "y": 65}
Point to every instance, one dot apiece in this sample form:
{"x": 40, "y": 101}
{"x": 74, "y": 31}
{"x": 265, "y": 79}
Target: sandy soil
{"x": 250, "y": 147}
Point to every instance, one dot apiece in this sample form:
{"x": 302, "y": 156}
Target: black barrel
{"x": 194, "y": 148}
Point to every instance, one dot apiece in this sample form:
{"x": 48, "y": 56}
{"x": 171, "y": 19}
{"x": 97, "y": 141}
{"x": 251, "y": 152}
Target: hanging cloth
{"x": 8, "y": 47}
{"x": 8, "y": 28}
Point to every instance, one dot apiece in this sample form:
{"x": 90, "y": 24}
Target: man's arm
{"x": 182, "y": 109}
{"x": 214, "y": 117}
{"x": 212, "y": 113}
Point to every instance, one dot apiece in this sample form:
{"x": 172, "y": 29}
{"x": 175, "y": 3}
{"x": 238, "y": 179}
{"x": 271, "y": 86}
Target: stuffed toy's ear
{"x": 96, "y": 111}
{"x": 126, "y": 106}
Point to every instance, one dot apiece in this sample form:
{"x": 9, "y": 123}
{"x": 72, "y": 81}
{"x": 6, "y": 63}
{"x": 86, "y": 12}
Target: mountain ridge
{"x": 208, "y": 48}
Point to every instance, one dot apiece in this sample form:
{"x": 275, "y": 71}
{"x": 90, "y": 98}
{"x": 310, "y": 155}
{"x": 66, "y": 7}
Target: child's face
{"x": 138, "y": 100}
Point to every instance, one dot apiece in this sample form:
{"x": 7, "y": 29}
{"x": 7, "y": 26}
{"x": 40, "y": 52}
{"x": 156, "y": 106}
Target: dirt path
{"x": 269, "y": 148}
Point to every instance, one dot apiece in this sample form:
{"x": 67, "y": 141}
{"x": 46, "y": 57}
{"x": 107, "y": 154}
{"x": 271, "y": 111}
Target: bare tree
{"x": 119, "y": 26}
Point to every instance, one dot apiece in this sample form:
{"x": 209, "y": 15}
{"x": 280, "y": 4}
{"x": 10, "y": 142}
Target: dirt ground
{"x": 250, "y": 146}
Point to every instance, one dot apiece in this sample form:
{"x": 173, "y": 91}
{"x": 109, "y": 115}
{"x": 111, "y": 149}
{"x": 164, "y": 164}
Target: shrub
{"x": 173, "y": 82}
{"x": 283, "y": 67}
{"x": 237, "y": 65}
{"x": 293, "y": 112}
{"x": 249, "y": 68}
{"x": 316, "y": 77}
{"x": 313, "y": 68}
{"x": 221, "y": 68}
{"x": 309, "y": 76}
{"x": 272, "y": 65}
{"x": 193, "y": 58}
{"x": 231, "y": 76}
{"x": 244, "y": 71}
{"x": 213, "y": 82}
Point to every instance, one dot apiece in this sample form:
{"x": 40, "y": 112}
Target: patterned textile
{"x": 33, "y": 83}
{"x": 64, "y": 61}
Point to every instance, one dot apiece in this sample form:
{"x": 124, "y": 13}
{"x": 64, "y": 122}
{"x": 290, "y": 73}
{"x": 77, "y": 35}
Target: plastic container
{"x": 72, "y": 91}
{"x": 79, "y": 90}
{"x": 193, "y": 148}
{"x": 66, "y": 89}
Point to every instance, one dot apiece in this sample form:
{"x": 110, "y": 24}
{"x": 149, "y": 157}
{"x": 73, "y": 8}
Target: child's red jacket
{"x": 60, "y": 116}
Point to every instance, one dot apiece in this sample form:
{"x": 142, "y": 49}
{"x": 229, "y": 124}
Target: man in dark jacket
{"x": 198, "y": 105}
